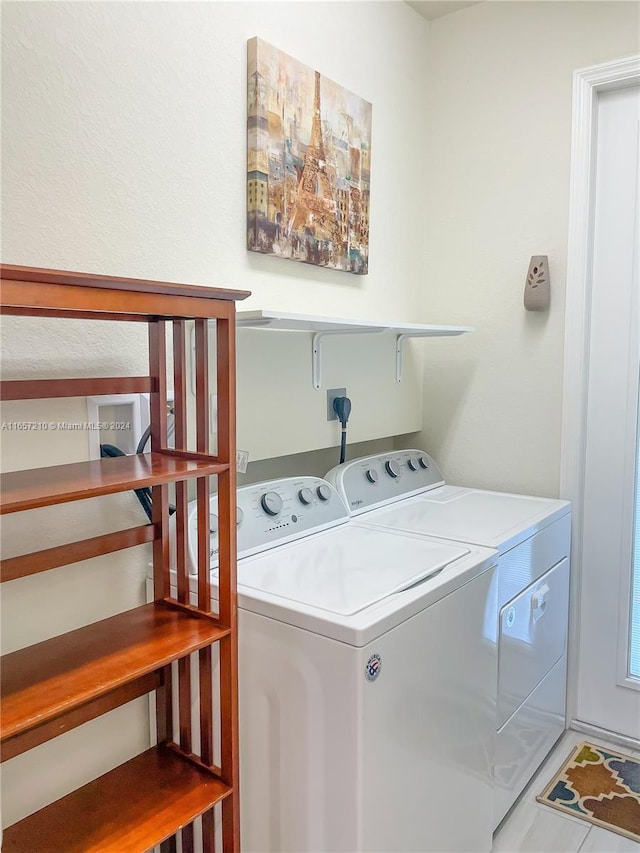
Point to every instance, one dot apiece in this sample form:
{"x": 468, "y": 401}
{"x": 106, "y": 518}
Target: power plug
{"x": 342, "y": 408}
{"x": 332, "y": 393}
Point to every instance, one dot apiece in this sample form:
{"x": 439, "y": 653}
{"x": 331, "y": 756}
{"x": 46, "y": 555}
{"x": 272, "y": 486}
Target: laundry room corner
{"x": 498, "y": 99}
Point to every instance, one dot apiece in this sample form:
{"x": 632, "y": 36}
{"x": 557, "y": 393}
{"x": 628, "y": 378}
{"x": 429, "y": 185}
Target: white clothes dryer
{"x": 405, "y": 491}
{"x": 357, "y": 732}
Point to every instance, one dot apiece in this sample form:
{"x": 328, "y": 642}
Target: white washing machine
{"x": 357, "y": 732}
{"x": 405, "y": 491}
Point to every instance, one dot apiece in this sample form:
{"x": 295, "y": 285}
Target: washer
{"x": 405, "y": 491}
{"x": 356, "y": 732}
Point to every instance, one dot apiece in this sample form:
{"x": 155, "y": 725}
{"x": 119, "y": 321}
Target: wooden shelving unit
{"x": 53, "y": 686}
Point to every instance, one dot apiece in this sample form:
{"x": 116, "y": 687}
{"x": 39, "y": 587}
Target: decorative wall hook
{"x": 537, "y": 294}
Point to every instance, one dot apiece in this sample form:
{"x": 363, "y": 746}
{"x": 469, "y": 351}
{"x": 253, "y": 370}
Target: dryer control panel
{"x": 373, "y": 481}
{"x": 271, "y": 513}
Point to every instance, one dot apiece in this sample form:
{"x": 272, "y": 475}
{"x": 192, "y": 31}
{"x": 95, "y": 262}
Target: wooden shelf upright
{"x": 53, "y": 686}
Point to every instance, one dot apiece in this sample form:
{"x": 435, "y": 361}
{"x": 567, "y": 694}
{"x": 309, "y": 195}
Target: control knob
{"x": 392, "y": 468}
{"x": 213, "y": 520}
{"x": 424, "y": 462}
{"x": 271, "y": 503}
{"x": 372, "y": 475}
{"x": 305, "y": 496}
{"x": 324, "y": 492}
{"x": 412, "y": 465}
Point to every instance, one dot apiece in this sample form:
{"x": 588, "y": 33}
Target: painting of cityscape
{"x": 308, "y": 162}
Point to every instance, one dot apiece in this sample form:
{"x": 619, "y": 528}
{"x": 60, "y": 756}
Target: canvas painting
{"x": 308, "y": 164}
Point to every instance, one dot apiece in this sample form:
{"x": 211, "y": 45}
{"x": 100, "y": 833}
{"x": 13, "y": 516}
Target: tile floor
{"x": 533, "y": 828}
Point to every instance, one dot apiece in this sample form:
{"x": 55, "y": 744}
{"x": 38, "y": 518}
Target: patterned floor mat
{"x": 598, "y": 785}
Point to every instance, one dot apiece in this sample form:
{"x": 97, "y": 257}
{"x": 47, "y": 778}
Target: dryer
{"x": 356, "y": 732}
{"x": 405, "y": 491}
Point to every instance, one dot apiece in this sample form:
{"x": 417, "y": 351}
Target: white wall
{"x": 499, "y": 110}
{"x": 124, "y": 153}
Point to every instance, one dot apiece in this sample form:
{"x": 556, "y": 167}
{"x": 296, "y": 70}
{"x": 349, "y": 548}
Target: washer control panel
{"x": 376, "y": 480}
{"x": 271, "y": 513}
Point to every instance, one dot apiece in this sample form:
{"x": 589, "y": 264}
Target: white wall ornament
{"x": 537, "y": 291}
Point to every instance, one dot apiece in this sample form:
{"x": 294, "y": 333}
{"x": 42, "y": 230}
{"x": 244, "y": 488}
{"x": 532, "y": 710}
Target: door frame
{"x": 588, "y": 83}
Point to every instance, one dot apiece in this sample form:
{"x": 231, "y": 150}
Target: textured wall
{"x": 124, "y": 153}
{"x": 499, "y": 88}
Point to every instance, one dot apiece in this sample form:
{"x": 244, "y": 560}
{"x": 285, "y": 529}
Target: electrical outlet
{"x": 332, "y": 393}
{"x": 118, "y": 419}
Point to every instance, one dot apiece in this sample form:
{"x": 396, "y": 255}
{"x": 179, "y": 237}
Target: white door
{"x": 608, "y": 692}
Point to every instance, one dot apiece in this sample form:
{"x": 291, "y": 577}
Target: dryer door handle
{"x": 539, "y": 601}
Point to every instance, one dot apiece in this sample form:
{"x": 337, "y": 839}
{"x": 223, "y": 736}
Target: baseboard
{"x": 596, "y": 732}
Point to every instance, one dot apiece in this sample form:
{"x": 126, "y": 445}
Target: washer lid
{"x": 494, "y": 519}
{"x": 345, "y": 570}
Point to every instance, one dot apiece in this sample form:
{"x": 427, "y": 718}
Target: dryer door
{"x": 533, "y": 637}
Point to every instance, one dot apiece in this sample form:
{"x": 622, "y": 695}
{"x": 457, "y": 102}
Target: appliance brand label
{"x": 359, "y": 502}
{"x": 373, "y": 667}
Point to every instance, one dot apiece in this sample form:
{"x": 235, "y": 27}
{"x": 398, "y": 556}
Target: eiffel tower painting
{"x": 308, "y": 164}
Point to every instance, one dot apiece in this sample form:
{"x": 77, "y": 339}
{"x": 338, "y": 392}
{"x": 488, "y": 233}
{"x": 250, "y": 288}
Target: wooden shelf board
{"x": 130, "y": 809}
{"x": 79, "y": 480}
{"x": 46, "y": 389}
{"x": 73, "y": 552}
{"x": 58, "y": 676}
{"x": 102, "y": 705}
{"x": 11, "y": 272}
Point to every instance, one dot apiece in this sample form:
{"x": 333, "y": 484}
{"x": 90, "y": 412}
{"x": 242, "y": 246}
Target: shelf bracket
{"x": 400, "y": 339}
{"x": 316, "y": 349}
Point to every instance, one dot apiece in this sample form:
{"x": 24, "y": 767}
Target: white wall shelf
{"x": 322, "y": 327}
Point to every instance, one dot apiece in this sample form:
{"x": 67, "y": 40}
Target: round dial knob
{"x": 412, "y": 465}
{"x": 239, "y": 516}
{"x": 324, "y": 492}
{"x": 424, "y": 462}
{"x": 271, "y": 503}
{"x": 372, "y": 475}
{"x": 213, "y": 523}
{"x": 305, "y": 496}
{"x": 392, "y": 468}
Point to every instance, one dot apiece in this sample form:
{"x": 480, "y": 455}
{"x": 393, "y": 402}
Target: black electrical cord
{"x": 146, "y": 435}
{"x": 342, "y": 408}
{"x": 143, "y": 495}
